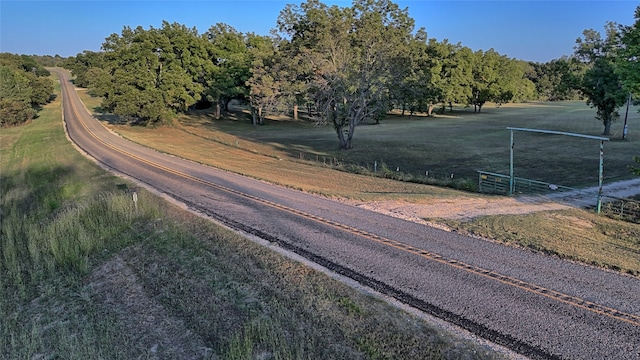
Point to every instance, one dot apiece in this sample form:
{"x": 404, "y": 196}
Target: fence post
{"x": 135, "y": 199}
{"x": 600, "y": 178}
{"x": 511, "y": 182}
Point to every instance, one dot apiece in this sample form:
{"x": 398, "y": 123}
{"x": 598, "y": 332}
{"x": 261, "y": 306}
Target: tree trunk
{"x": 352, "y": 129}
{"x": 347, "y": 145}
{"x": 254, "y": 119}
{"x": 344, "y": 136}
{"x": 607, "y": 127}
{"x": 226, "y": 104}
{"x": 339, "y": 126}
{"x": 342, "y": 140}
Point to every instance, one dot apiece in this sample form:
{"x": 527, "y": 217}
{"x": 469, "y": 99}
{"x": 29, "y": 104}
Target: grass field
{"x": 458, "y": 143}
{"x": 86, "y": 275}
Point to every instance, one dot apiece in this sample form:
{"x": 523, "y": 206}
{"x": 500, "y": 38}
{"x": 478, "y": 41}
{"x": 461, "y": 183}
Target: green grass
{"x": 460, "y": 143}
{"x": 86, "y": 275}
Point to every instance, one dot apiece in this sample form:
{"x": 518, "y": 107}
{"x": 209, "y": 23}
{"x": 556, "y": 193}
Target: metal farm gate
{"x": 510, "y": 185}
{"x": 492, "y": 183}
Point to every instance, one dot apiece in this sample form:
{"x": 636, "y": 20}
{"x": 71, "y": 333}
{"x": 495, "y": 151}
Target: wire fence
{"x": 381, "y": 169}
{"x": 622, "y": 209}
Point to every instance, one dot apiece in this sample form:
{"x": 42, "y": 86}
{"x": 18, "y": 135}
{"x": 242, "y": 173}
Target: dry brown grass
{"x": 573, "y": 234}
{"x": 265, "y": 162}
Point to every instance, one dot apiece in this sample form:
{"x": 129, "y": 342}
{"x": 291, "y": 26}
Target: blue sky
{"x": 527, "y": 30}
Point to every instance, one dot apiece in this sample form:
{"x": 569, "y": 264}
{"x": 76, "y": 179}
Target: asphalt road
{"x": 537, "y": 305}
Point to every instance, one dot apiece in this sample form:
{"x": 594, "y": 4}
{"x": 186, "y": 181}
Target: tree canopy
{"x": 629, "y": 56}
{"x": 232, "y": 58}
{"x": 348, "y": 58}
{"x": 346, "y": 65}
{"x": 601, "y": 83}
{"x": 151, "y": 75}
{"x": 24, "y": 86}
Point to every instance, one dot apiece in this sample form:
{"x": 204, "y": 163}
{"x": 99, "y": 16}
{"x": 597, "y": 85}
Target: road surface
{"x": 539, "y": 306}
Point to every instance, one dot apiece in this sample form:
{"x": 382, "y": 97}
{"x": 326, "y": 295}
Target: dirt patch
{"x": 116, "y": 287}
{"x": 458, "y": 209}
{"x": 468, "y": 208}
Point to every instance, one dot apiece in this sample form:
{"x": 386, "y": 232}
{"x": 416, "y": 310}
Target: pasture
{"x": 458, "y": 143}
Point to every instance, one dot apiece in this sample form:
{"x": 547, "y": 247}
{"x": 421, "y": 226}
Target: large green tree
{"x": 353, "y": 55}
{"x": 629, "y": 56}
{"x": 232, "y": 55}
{"x": 629, "y": 62}
{"x": 497, "y": 79}
{"x": 601, "y": 83}
{"x": 15, "y": 97}
{"x": 266, "y": 81}
{"x": 41, "y": 89}
{"x": 518, "y": 83}
{"x": 412, "y": 90}
{"x": 450, "y": 66}
{"x": 24, "y": 86}
{"x": 151, "y": 75}
{"x": 80, "y": 65}
{"x": 557, "y": 79}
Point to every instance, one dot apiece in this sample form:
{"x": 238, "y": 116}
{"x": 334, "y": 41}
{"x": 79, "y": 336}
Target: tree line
{"x": 343, "y": 65}
{"x": 24, "y": 87}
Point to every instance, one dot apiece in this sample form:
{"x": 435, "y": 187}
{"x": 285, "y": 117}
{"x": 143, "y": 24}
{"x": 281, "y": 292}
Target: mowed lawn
{"x": 458, "y": 143}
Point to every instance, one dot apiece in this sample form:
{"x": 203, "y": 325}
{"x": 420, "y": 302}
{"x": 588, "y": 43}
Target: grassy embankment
{"x": 461, "y": 142}
{"x": 85, "y": 275}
